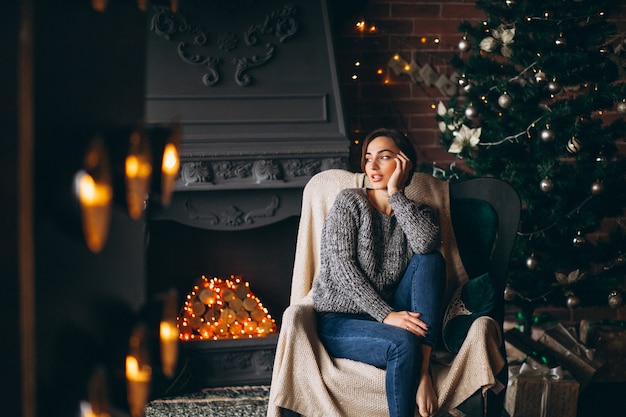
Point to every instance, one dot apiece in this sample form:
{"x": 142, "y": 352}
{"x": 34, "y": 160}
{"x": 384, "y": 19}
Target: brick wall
{"x": 422, "y": 30}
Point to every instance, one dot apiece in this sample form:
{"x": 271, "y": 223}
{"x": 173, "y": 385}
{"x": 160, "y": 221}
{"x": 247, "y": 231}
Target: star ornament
{"x": 464, "y": 137}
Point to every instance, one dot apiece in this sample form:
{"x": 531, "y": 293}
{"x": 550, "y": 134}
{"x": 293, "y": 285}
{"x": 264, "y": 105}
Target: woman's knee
{"x": 406, "y": 346}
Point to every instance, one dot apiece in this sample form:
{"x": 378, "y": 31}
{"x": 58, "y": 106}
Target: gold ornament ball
{"x": 597, "y": 187}
{"x": 615, "y": 299}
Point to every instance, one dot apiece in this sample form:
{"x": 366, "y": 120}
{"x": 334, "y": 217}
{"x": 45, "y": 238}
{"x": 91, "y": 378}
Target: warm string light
{"x": 223, "y": 309}
{"x": 364, "y": 27}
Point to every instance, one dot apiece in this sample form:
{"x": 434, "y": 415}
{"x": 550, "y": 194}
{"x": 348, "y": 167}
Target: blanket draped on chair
{"x": 307, "y": 380}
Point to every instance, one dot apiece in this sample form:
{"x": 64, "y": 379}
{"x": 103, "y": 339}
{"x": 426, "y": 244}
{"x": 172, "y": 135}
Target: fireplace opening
{"x": 178, "y": 255}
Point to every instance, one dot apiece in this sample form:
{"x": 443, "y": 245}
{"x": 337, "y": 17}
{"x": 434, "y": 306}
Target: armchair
{"x": 479, "y": 220}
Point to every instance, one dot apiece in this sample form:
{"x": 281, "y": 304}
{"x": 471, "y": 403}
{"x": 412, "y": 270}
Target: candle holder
{"x": 138, "y": 173}
{"x": 168, "y": 333}
{"x": 94, "y": 190}
{"x": 138, "y": 373}
{"x": 170, "y": 164}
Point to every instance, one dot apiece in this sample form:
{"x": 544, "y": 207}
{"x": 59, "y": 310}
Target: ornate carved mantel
{"x": 254, "y": 86}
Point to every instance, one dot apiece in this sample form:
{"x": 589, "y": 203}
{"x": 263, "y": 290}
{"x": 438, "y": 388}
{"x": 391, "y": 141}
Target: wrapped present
{"x": 531, "y": 348}
{"x": 573, "y": 355}
{"x": 608, "y": 339}
{"x": 539, "y": 391}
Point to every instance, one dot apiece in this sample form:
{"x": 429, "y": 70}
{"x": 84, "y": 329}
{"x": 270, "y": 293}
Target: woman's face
{"x": 380, "y": 161}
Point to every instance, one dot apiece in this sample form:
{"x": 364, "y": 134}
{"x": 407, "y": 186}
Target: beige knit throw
{"x": 307, "y": 380}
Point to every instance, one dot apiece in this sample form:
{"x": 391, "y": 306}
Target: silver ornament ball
{"x": 615, "y": 299}
{"x": 505, "y": 101}
{"x": 572, "y": 301}
{"x": 546, "y": 185}
{"x": 621, "y": 107}
{"x": 509, "y": 293}
{"x": 554, "y": 87}
{"x": 546, "y": 135}
{"x": 464, "y": 45}
{"x": 574, "y": 145}
{"x": 540, "y": 76}
{"x": 471, "y": 112}
{"x": 597, "y": 187}
{"x": 531, "y": 261}
{"x": 579, "y": 239}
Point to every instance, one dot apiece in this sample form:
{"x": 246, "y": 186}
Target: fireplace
{"x": 255, "y": 89}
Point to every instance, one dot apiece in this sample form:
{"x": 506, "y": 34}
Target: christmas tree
{"x": 541, "y": 104}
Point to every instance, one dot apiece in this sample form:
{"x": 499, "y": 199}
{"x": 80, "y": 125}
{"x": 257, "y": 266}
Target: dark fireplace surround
{"x": 254, "y": 85}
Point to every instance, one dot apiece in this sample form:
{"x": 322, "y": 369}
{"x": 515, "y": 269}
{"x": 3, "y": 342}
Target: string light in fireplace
{"x": 219, "y": 308}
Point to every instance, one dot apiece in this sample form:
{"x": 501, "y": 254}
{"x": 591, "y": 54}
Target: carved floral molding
{"x": 278, "y": 26}
{"x": 254, "y": 172}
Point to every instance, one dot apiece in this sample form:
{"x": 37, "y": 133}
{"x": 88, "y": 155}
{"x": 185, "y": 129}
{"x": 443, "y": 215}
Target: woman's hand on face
{"x": 400, "y": 174}
{"x": 407, "y": 320}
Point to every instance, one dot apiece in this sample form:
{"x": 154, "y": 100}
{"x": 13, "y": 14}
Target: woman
{"x": 378, "y": 294}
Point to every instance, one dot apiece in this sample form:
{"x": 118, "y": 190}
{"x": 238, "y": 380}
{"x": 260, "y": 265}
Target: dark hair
{"x": 401, "y": 141}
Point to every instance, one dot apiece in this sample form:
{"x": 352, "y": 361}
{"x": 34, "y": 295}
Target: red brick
{"x": 432, "y": 10}
{"x": 462, "y": 11}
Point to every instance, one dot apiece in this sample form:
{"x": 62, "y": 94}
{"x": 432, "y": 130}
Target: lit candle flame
{"x": 170, "y": 159}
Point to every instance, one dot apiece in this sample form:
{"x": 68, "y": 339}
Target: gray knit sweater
{"x": 364, "y": 253}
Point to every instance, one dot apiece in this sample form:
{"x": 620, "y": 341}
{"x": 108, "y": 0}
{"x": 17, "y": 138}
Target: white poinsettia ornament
{"x": 465, "y": 137}
{"x": 502, "y": 35}
{"x": 449, "y": 120}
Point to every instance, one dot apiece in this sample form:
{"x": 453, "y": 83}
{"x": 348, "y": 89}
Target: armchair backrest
{"x": 485, "y": 217}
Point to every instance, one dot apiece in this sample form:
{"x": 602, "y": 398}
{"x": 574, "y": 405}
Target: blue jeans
{"x": 361, "y": 338}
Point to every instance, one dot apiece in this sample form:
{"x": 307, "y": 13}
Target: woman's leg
{"x": 361, "y": 338}
{"x": 421, "y": 291}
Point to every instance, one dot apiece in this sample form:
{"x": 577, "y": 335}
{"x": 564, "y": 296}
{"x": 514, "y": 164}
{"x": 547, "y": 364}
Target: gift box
{"x": 574, "y": 356}
{"x": 539, "y": 391}
{"x": 531, "y": 348}
{"x": 608, "y": 339}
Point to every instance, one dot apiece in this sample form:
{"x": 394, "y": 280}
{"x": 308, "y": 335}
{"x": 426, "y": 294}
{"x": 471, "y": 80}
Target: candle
{"x": 95, "y": 202}
{"x": 169, "y": 169}
{"x": 138, "y": 385}
{"x": 169, "y": 346}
